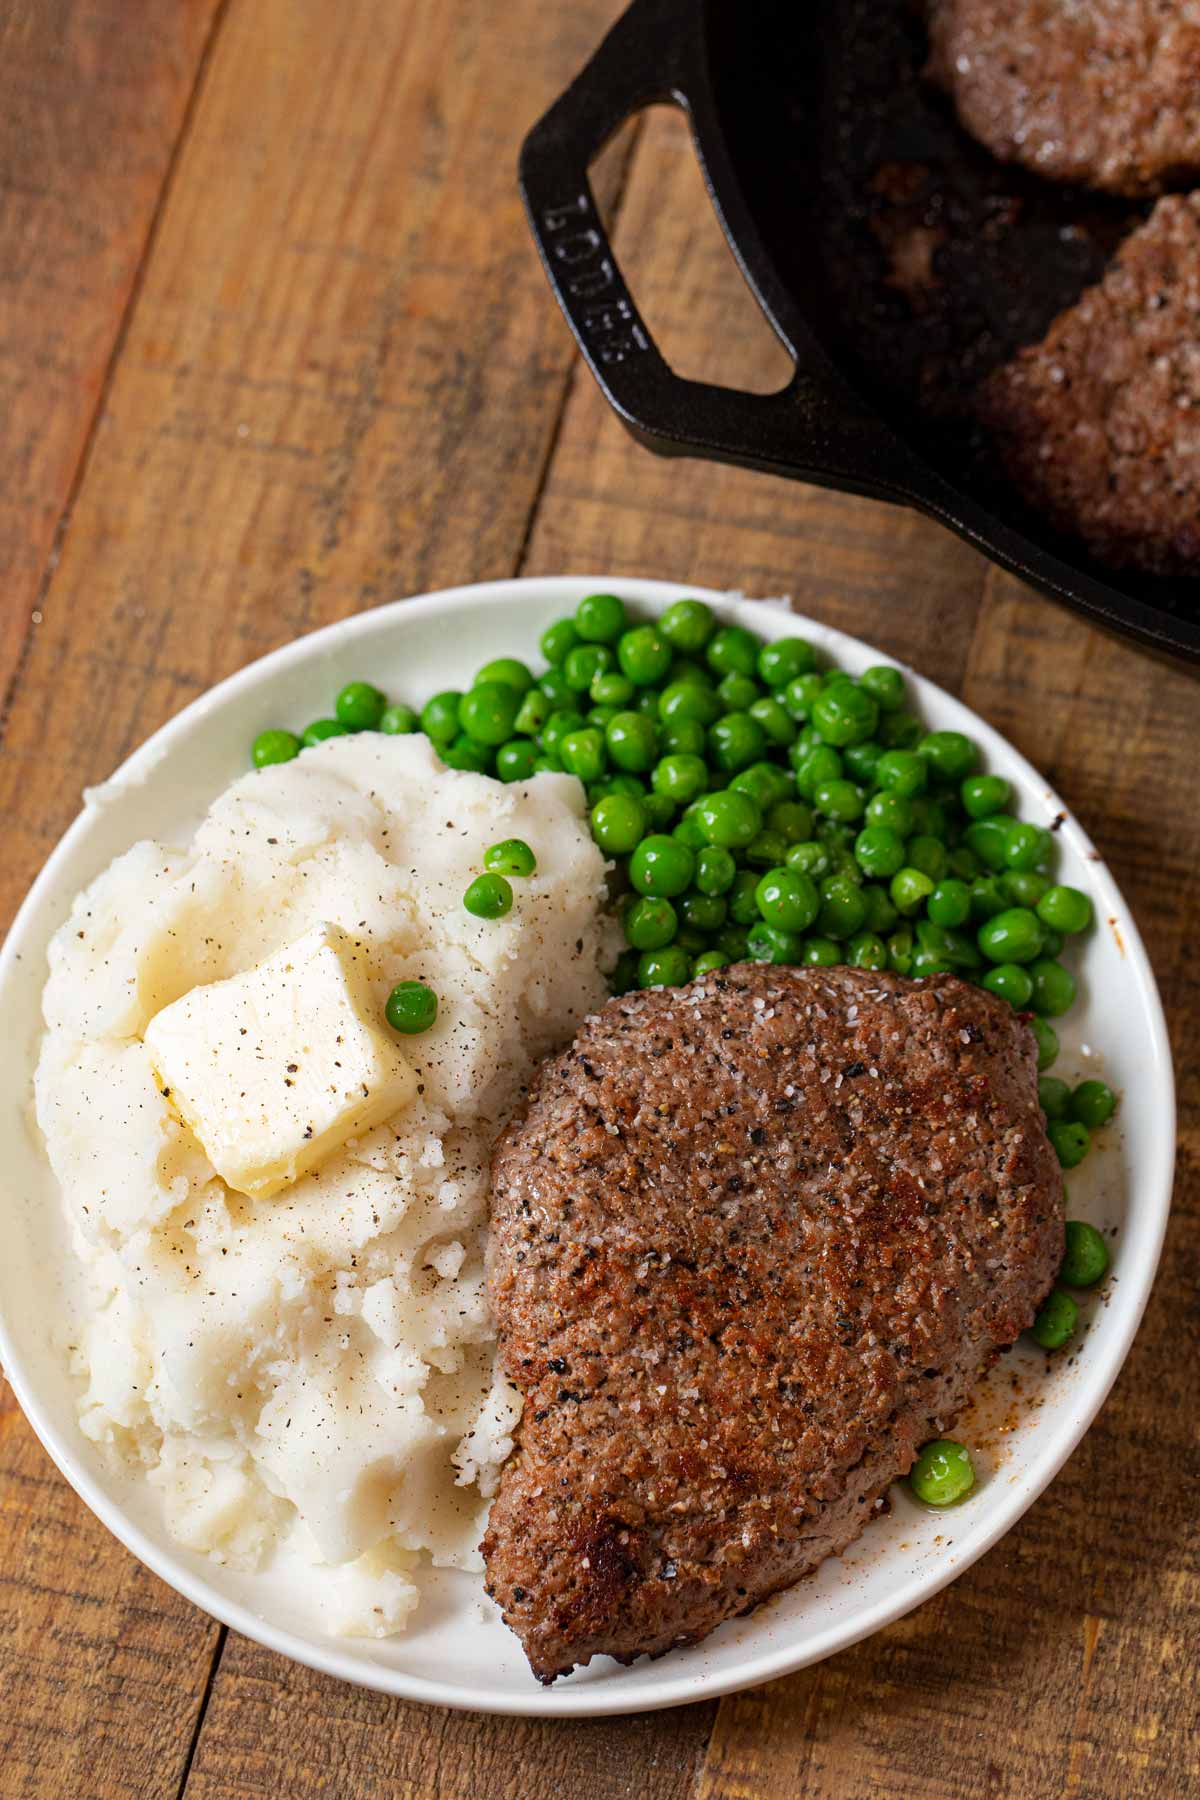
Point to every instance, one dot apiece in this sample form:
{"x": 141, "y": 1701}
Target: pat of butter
{"x": 275, "y": 1068}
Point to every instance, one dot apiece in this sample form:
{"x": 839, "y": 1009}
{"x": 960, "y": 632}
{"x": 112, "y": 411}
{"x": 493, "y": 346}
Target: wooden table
{"x": 274, "y": 348}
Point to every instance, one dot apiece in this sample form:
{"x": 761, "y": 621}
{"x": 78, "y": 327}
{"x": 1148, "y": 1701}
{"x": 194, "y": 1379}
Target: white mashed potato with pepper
{"x": 315, "y": 1365}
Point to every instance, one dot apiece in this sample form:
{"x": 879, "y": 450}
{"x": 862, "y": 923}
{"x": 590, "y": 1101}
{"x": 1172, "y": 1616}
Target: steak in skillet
{"x": 752, "y": 1242}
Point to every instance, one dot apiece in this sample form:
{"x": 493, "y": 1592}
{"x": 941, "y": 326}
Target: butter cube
{"x": 275, "y": 1068}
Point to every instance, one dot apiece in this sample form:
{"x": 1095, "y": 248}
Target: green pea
{"x": 557, "y": 640}
{"x": 1053, "y": 1096}
{"x": 1085, "y": 1261}
{"x": 766, "y": 849}
{"x": 534, "y": 711}
{"x": 732, "y": 651}
{"x": 950, "y": 901}
{"x": 800, "y": 694}
{"x": 1053, "y": 988}
{"x": 320, "y": 730}
{"x": 839, "y": 800}
{"x": 508, "y": 669}
{"x": 891, "y": 810}
{"x": 651, "y": 923}
{"x": 1057, "y": 1321}
{"x": 687, "y": 625}
{"x": 735, "y": 742}
{"x": 683, "y": 737}
{"x": 1027, "y": 846}
{"x": 644, "y": 656}
{"x": 909, "y": 889}
{"x": 729, "y": 819}
{"x": 737, "y": 693}
{"x": 929, "y": 818}
{"x": 703, "y": 912}
{"x": 1093, "y": 1104}
{"x": 953, "y": 948}
{"x": 411, "y": 1007}
{"x": 274, "y": 747}
{"x": 837, "y": 836}
{"x": 1013, "y": 936}
{"x": 783, "y": 659}
{"x": 511, "y": 856}
{"x": 987, "y": 898}
{"x": 786, "y": 898}
{"x": 881, "y": 914}
{"x": 708, "y": 963}
{"x": 688, "y": 831}
{"x": 1065, "y": 909}
{"x": 556, "y": 689}
{"x": 715, "y": 870}
{"x": 743, "y": 898}
{"x": 600, "y": 618}
{"x": 733, "y": 941}
{"x": 845, "y": 714}
{"x": 680, "y": 777}
{"x": 671, "y": 967}
{"x": 885, "y": 686}
{"x": 988, "y": 837}
{"x": 929, "y": 855}
{"x": 547, "y": 765}
{"x": 1023, "y": 887}
{"x": 810, "y": 859}
{"x": 820, "y": 953}
{"x": 773, "y": 944}
{"x": 612, "y": 689}
{"x": 1011, "y": 983}
{"x": 1047, "y": 1041}
{"x": 516, "y": 760}
{"x": 660, "y": 811}
{"x": 949, "y": 754}
{"x": 942, "y": 1473}
{"x": 815, "y": 767}
{"x": 468, "y": 755}
{"x": 488, "y": 712}
{"x": 964, "y": 863}
{"x": 582, "y": 753}
{"x": 1070, "y": 1140}
{"x": 899, "y": 730}
{"x": 843, "y": 909}
{"x": 774, "y": 720}
{"x": 866, "y": 951}
{"x": 584, "y": 663}
{"x": 764, "y": 782}
{"x": 601, "y": 717}
{"x": 902, "y": 772}
{"x": 862, "y": 760}
{"x": 624, "y": 976}
{"x": 632, "y": 741}
{"x": 359, "y": 706}
{"x": 791, "y": 819}
{"x": 900, "y": 951}
{"x": 398, "y": 720}
{"x": 661, "y": 865}
{"x": 488, "y": 897}
{"x": 983, "y": 795}
{"x": 689, "y": 700}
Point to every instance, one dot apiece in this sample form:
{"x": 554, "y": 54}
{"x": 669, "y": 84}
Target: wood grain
{"x": 91, "y": 115}
{"x": 343, "y": 380}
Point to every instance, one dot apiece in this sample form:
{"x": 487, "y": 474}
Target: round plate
{"x": 457, "y": 1652}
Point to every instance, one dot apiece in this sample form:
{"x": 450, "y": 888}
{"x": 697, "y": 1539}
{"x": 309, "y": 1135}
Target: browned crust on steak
{"x": 752, "y": 1241}
{"x": 1107, "y": 94}
{"x": 1099, "y": 423}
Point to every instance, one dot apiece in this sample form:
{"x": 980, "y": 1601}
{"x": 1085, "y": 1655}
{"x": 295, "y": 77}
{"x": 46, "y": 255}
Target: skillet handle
{"x": 815, "y": 428}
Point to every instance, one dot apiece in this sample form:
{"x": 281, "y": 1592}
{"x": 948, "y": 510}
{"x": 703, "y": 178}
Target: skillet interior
{"x": 918, "y": 260}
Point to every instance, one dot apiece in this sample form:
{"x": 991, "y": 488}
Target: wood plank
{"x": 1060, "y": 1665}
{"x": 362, "y": 1745}
{"x": 90, "y": 113}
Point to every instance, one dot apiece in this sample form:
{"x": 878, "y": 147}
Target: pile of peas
{"x": 761, "y": 807}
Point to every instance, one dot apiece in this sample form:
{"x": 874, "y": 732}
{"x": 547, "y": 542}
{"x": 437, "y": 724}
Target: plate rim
{"x": 594, "y": 1700}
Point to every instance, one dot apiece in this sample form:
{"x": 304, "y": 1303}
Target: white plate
{"x": 454, "y": 1655}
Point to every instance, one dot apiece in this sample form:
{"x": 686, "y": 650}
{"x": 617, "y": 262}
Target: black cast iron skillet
{"x": 896, "y": 261}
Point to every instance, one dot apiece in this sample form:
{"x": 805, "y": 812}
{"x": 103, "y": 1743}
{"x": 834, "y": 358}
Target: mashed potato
{"x": 317, "y": 1364}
